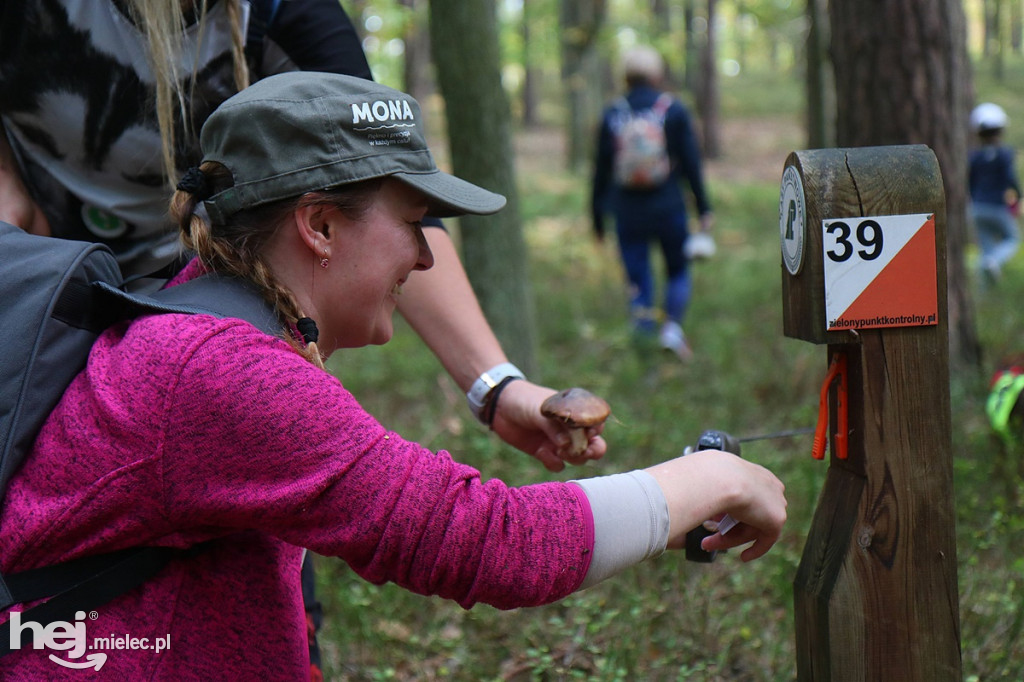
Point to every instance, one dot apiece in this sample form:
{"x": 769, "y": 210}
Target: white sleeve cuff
{"x": 630, "y": 522}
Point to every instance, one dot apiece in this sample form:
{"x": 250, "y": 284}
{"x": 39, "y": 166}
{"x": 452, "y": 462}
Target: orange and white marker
{"x": 880, "y": 271}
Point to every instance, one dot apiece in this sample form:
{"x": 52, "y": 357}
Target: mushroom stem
{"x": 579, "y": 440}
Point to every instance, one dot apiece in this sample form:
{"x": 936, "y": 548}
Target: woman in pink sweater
{"x": 189, "y": 429}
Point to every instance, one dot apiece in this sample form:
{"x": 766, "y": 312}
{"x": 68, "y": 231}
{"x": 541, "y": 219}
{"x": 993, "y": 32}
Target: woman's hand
{"x": 519, "y": 422}
{"x": 708, "y": 484}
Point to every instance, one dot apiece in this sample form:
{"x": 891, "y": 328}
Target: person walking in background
{"x": 994, "y": 190}
{"x": 646, "y": 150}
{"x": 238, "y": 440}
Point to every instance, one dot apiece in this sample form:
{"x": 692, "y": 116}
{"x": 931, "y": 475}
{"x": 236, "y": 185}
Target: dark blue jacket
{"x": 992, "y": 172}
{"x": 667, "y": 198}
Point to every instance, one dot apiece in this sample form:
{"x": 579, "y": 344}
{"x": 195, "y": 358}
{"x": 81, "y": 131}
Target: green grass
{"x": 668, "y": 619}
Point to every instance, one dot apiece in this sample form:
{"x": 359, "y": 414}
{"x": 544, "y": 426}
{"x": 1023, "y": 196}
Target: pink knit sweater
{"x": 184, "y": 428}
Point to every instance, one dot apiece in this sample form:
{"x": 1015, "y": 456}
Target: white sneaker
{"x": 672, "y": 339}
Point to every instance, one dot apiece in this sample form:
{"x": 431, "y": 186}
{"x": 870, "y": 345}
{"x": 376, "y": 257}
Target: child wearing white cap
{"x": 994, "y": 190}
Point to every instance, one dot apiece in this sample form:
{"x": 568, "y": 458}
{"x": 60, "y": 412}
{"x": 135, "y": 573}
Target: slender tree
{"x": 707, "y": 99}
{"x": 1014, "y": 27}
{"x": 661, "y": 19}
{"x": 580, "y": 22}
{"x": 480, "y": 138}
{"x": 529, "y": 93}
{"x": 999, "y": 36}
{"x": 820, "y": 104}
{"x": 902, "y": 77}
{"x": 691, "y": 46}
{"x": 418, "y": 79}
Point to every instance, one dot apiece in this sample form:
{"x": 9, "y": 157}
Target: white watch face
{"x": 792, "y": 220}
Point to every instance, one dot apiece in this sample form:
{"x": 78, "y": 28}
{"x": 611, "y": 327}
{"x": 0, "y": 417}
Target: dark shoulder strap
{"x": 80, "y": 585}
{"x": 222, "y": 296}
{"x": 210, "y": 294}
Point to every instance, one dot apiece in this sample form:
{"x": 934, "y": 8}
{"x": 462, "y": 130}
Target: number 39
{"x": 869, "y": 238}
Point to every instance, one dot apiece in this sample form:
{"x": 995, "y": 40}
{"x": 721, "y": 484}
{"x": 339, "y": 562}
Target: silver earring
{"x": 324, "y": 261}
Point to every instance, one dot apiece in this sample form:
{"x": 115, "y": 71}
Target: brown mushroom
{"x": 578, "y": 409}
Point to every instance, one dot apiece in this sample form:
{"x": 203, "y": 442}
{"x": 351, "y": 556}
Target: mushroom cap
{"x": 576, "y": 407}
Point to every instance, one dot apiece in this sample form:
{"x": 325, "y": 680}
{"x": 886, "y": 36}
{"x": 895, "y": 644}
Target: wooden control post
{"x": 863, "y": 234}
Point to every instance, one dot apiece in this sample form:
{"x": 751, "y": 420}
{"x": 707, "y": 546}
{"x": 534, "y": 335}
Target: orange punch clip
{"x": 836, "y": 370}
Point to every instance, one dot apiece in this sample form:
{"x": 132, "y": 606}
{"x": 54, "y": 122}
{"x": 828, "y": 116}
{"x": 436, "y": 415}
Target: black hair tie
{"x": 195, "y": 182}
{"x": 307, "y": 327}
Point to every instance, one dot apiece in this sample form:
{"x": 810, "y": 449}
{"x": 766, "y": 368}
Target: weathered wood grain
{"x": 876, "y": 590}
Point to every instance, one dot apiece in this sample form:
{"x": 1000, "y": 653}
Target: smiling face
{"x": 370, "y": 260}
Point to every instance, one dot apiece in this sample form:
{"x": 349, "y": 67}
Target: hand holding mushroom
{"x": 579, "y": 410}
{"x": 519, "y": 422}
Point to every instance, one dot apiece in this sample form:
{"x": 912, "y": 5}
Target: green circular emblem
{"x": 103, "y": 224}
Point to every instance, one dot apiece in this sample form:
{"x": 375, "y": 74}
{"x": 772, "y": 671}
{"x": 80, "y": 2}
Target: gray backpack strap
{"x": 212, "y": 294}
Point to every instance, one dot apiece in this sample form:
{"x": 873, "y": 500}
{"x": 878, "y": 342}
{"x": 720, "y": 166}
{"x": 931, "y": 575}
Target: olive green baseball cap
{"x": 303, "y": 131}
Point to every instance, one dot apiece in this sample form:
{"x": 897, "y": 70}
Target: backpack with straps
{"x": 641, "y": 152}
{"x": 59, "y": 295}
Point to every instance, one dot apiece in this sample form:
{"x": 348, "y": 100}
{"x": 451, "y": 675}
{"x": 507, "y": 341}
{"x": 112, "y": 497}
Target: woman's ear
{"x": 313, "y": 224}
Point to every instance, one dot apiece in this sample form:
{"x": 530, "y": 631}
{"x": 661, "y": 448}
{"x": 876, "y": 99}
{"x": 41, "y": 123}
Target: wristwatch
{"x": 481, "y": 389}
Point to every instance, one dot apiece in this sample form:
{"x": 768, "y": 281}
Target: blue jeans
{"x": 635, "y": 238}
{"x": 998, "y": 234}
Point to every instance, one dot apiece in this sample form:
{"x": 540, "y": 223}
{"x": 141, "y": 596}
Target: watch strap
{"x": 478, "y": 393}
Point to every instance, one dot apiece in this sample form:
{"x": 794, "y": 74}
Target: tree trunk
{"x": 661, "y": 19}
{"x": 418, "y": 79}
{"x": 479, "y": 134}
{"x": 691, "y": 47}
{"x": 820, "y": 100}
{"x": 1016, "y": 27}
{"x": 902, "y": 76}
{"x": 707, "y": 95}
{"x": 987, "y": 30}
{"x": 529, "y": 93}
{"x": 999, "y": 39}
{"x": 580, "y": 22}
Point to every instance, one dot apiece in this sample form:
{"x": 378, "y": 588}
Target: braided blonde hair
{"x": 237, "y": 246}
{"x": 164, "y": 24}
